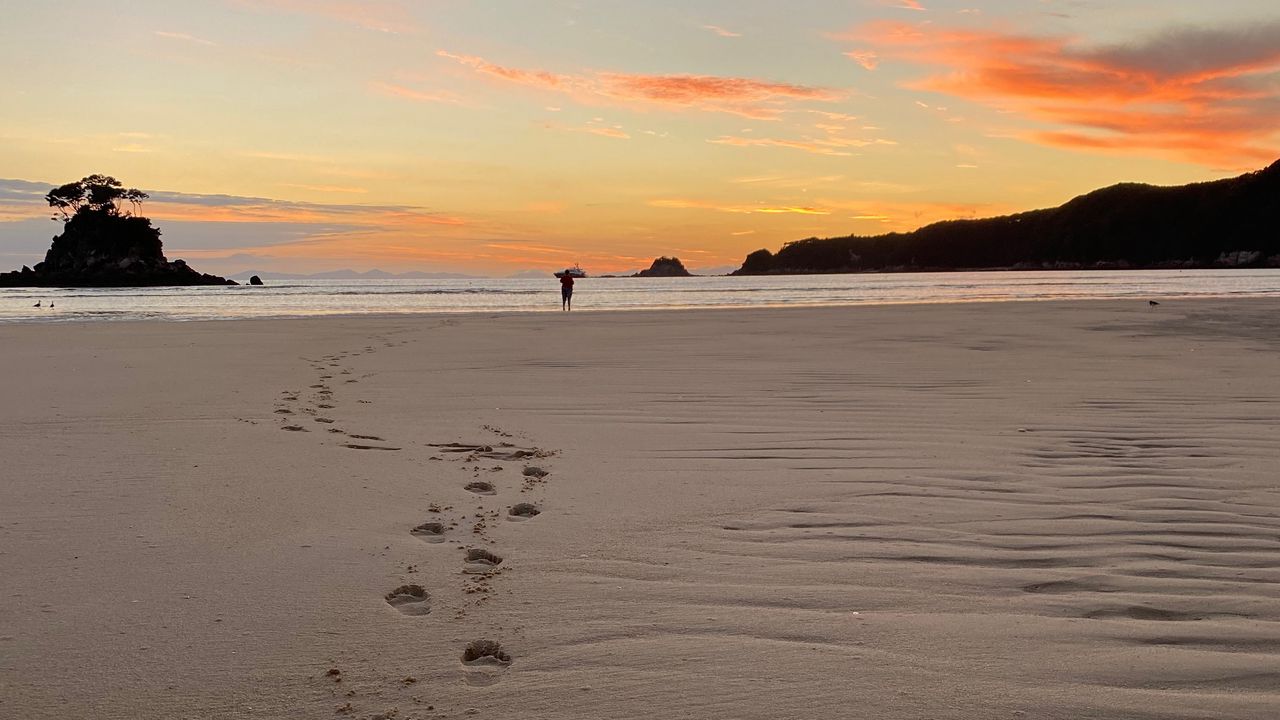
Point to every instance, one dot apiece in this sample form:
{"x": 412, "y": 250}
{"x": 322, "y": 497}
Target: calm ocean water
{"x": 352, "y": 297}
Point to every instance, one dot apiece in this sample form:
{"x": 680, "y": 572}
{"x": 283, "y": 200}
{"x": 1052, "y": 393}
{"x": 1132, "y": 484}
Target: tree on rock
{"x": 95, "y": 193}
{"x": 105, "y": 242}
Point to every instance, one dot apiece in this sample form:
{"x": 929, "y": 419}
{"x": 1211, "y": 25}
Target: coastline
{"x": 1058, "y": 508}
{"x": 405, "y": 298}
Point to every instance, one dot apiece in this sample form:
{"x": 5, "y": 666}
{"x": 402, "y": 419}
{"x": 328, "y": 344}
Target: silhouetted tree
{"x": 96, "y": 193}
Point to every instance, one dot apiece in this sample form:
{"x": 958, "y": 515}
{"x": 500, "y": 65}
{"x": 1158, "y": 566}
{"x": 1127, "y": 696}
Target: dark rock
{"x": 665, "y": 267}
{"x": 101, "y": 248}
{"x": 255, "y": 280}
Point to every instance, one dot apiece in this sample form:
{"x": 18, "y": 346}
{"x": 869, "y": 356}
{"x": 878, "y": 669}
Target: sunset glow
{"x": 497, "y": 137}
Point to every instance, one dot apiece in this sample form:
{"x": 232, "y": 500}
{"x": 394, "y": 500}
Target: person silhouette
{"x": 566, "y": 292}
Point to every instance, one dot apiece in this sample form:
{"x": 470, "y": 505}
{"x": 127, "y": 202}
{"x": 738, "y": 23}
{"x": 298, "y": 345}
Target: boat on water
{"x": 573, "y": 272}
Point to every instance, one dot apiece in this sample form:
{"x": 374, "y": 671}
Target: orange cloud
{"x": 535, "y": 78}
{"x": 748, "y": 97}
{"x": 1208, "y": 95}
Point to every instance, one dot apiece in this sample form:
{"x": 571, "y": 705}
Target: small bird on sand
{"x": 51, "y": 304}
{"x": 37, "y": 303}
{"x": 1152, "y": 303}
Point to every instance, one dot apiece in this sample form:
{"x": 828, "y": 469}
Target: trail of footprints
{"x": 301, "y": 410}
{"x": 484, "y": 660}
{"x": 313, "y": 409}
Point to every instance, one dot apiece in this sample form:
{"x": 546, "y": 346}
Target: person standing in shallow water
{"x": 566, "y": 292}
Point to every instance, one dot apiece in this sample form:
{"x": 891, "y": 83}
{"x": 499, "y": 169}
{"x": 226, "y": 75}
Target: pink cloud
{"x": 721, "y": 31}
{"x": 748, "y": 97}
{"x": 1208, "y": 95}
{"x": 903, "y": 4}
{"x": 866, "y": 58}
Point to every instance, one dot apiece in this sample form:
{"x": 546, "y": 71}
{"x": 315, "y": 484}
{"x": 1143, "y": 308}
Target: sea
{"x": 311, "y": 298}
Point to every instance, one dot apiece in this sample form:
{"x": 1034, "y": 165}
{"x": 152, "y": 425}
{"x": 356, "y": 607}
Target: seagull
{"x": 1152, "y": 303}
{"x": 37, "y": 304}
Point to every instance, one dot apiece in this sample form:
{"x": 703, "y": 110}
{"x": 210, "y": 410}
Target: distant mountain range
{"x": 1225, "y": 223}
{"x": 416, "y": 275}
{"x": 352, "y": 275}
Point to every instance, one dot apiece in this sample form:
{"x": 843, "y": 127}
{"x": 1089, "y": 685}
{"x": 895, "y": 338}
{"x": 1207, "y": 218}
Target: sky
{"x": 502, "y": 136}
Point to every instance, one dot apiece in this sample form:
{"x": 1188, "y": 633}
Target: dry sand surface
{"x": 1024, "y": 510}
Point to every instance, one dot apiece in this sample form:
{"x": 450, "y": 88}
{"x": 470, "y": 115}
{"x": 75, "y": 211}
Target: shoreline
{"x": 507, "y": 313}
{"x": 960, "y": 511}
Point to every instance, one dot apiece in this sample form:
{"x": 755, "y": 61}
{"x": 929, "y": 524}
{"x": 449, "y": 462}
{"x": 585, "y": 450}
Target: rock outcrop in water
{"x": 102, "y": 245}
{"x": 1226, "y": 223}
{"x": 665, "y": 267}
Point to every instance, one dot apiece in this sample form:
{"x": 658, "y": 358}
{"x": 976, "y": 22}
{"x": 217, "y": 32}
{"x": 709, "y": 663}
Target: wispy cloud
{"x": 535, "y": 78}
{"x": 748, "y": 97}
{"x": 609, "y": 131}
{"x": 721, "y": 31}
{"x": 184, "y": 37}
{"x": 866, "y": 58}
{"x": 806, "y": 146}
{"x": 393, "y": 90}
{"x": 834, "y": 142}
{"x": 902, "y": 4}
{"x": 687, "y": 204}
{"x": 1210, "y": 95}
{"x": 165, "y": 204}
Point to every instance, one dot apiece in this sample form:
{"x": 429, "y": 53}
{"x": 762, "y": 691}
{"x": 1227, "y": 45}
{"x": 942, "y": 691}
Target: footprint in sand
{"x": 354, "y": 446}
{"x": 317, "y": 387}
{"x": 325, "y": 407}
{"x": 430, "y": 531}
{"x": 481, "y": 487}
{"x": 367, "y": 437}
{"x": 284, "y": 411}
{"x": 410, "y": 600}
{"x": 328, "y": 421}
{"x": 294, "y": 428}
{"x": 534, "y": 472}
{"x": 480, "y": 561}
{"x": 523, "y": 511}
{"x": 485, "y": 661}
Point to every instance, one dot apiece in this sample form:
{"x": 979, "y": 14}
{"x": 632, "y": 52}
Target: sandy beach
{"x": 1057, "y": 510}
